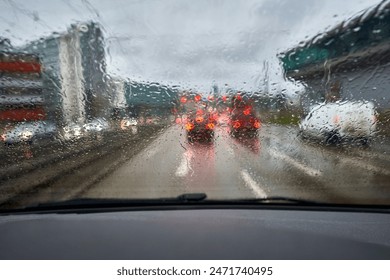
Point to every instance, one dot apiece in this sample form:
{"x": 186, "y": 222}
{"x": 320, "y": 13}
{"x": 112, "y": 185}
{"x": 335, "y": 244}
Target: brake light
{"x": 236, "y": 124}
{"x": 247, "y": 111}
{"x": 197, "y": 98}
{"x": 199, "y": 119}
{"x": 256, "y": 124}
{"x": 189, "y": 126}
{"x": 210, "y": 126}
{"x": 183, "y": 99}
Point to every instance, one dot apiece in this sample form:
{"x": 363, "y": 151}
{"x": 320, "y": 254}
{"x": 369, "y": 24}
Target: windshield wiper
{"x": 186, "y": 199}
{"x": 192, "y": 197}
{"x": 189, "y": 200}
{"x": 104, "y": 203}
{"x": 278, "y": 200}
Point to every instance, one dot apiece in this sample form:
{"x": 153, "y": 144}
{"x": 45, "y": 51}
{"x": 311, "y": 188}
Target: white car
{"x": 346, "y": 120}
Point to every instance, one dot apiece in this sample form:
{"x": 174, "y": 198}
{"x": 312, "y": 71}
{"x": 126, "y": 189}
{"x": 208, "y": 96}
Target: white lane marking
{"x": 366, "y": 166}
{"x": 308, "y": 170}
{"x": 256, "y": 189}
{"x": 185, "y": 164}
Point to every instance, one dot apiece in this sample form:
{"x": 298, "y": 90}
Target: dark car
{"x": 243, "y": 118}
{"x": 200, "y": 123}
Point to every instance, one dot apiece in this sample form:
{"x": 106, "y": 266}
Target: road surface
{"x": 276, "y": 163}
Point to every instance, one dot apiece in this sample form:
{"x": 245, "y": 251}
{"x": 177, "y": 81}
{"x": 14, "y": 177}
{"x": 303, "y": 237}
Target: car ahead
{"x": 335, "y": 122}
{"x": 96, "y": 128}
{"x": 29, "y": 132}
{"x": 243, "y": 118}
{"x": 200, "y": 124}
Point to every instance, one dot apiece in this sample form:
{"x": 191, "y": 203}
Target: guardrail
{"x": 57, "y": 158}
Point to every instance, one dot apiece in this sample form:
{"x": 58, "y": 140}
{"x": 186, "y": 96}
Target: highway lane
{"x": 275, "y": 163}
{"x": 171, "y": 166}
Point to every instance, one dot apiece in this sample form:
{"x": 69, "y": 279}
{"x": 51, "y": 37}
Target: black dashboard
{"x": 197, "y": 234}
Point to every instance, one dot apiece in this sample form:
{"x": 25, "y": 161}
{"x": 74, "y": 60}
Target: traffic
{"x": 228, "y": 129}
{"x": 182, "y": 129}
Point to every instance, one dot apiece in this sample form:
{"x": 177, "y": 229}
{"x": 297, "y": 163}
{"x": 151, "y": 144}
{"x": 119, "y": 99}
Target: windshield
{"x": 234, "y": 99}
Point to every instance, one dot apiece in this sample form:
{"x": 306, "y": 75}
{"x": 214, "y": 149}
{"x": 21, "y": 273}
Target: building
{"x": 150, "y": 99}
{"x": 21, "y": 86}
{"x": 349, "y": 62}
{"x": 74, "y": 73}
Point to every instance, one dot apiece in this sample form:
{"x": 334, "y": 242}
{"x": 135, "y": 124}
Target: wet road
{"x": 275, "y": 163}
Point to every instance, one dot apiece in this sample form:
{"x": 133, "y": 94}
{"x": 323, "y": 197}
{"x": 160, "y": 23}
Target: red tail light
{"x": 189, "y": 126}
{"x": 236, "y": 124}
{"x": 183, "y": 99}
{"x": 247, "y": 111}
{"x": 197, "y": 98}
{"x": 210, "y": 126}
{"x": 199, "y": 119}
{"x": 256, "y": 124}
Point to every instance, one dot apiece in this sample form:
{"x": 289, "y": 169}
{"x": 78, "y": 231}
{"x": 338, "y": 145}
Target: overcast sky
{"x": 186, "y": 41}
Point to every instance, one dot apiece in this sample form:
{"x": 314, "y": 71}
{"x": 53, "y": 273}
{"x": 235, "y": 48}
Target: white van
{"x": 346, "y": 120}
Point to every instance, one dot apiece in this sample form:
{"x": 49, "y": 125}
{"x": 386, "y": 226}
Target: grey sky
{"x": 184, "y": 41}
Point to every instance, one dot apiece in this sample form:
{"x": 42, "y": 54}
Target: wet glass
{"x": 234, "y": 99}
